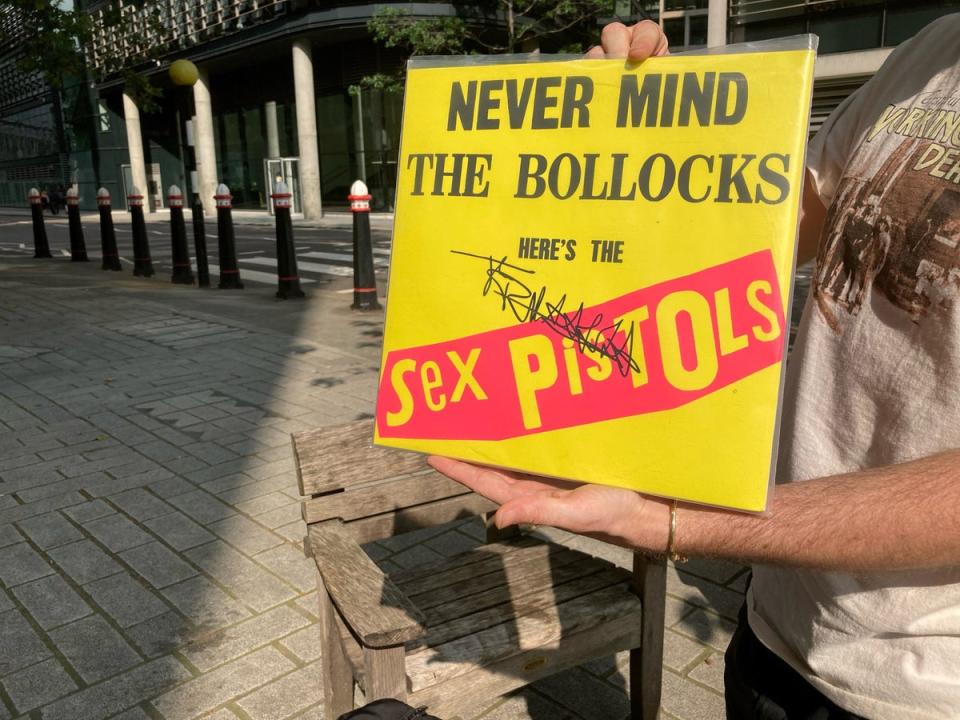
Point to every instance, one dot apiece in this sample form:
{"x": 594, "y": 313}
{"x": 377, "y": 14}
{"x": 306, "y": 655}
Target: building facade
{"x": 33, "y": 149}
{"x": 278, "y": 97}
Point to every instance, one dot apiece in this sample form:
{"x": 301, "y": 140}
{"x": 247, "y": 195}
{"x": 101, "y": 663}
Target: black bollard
{"x": 182, "y": 273}
{"x": 142, "y": 264}
{"x": 108, "y": 238}
{"x": 78, "y": 246}
{"x": 288, "y": 280}
{"x": 200, "y": 244}
{"x": 229, "y": 272}
{"x": 364, "y": 281}
{"x": 41, "y": 248}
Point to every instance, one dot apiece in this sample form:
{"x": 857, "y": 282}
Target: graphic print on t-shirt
{"x": 898, "y": 229}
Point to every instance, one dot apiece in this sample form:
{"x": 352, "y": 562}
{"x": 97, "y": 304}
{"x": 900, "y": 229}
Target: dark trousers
{"x": 761, "y": 686}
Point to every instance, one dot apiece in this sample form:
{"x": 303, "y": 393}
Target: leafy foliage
{"x": 486, "y": 26}
{"x": 51, "y": 35}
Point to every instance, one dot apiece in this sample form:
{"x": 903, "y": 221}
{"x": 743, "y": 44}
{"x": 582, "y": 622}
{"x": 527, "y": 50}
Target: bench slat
{"x": 438, "y": 664}
{"x": 378, "y": 499}
{"x": 421, "y": 516}
{"x": 522, "y": 603}
{"x": 475, "y": 555}
{"x": 536, "y": 578}
{"x": 337, "y": 457}
{"x": 374, "y": 608}
{"x": 506, "y": 574}
{"x": 456, "y": 572}
{"x": 474, "y": 689}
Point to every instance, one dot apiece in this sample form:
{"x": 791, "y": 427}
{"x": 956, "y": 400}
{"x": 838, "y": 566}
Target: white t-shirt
{"x": 874, "y": 380}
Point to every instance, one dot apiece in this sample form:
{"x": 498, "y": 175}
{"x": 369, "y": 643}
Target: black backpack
{"x": 388, "y": 710}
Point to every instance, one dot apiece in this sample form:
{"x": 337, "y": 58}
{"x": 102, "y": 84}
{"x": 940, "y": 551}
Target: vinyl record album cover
{"x": 592, "y": 265}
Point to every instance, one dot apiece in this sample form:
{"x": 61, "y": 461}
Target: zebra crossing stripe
{"x": 308, "y": 266}
{"x": 256, "y": 275}
{"x": 336, "y": 256}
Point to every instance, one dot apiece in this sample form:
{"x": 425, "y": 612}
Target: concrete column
{"x": 273, "y": 135}
{"x": 203, "y": 145}
{"x": 138, "y": 168}
{"x": 717, "y": 23}
{"x": 307, "y": 130}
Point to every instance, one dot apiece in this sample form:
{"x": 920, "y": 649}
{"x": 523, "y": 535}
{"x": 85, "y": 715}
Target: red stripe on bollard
{"x": 360, "y": 203}
{"x": 282, "y": 200}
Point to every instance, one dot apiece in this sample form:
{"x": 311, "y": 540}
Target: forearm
{"x": 896, "y": 517}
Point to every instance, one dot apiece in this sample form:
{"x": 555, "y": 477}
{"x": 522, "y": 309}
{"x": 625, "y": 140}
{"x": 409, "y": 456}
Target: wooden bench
{"x": 457, "y": 632}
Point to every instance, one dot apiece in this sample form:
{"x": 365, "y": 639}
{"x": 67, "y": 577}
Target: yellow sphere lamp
{"x": 183, "y": 73}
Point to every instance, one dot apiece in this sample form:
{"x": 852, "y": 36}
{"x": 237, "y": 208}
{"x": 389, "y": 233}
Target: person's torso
{"x": 875, "y": 380}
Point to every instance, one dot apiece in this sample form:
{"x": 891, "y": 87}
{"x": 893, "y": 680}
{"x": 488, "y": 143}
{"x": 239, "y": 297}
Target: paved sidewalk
{"x": 150, "y": 559}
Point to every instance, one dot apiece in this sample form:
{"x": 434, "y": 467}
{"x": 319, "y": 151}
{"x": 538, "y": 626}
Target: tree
{"x": 487, "y": 26}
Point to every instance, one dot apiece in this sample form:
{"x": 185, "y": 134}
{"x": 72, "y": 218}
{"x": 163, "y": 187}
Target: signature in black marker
{"x": 528, "y": 305}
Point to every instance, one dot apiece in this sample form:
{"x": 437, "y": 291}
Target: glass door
{"x": 287, "y": 171}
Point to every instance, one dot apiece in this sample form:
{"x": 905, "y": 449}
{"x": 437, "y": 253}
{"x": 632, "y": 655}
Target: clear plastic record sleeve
{"x": 592, "y": 266}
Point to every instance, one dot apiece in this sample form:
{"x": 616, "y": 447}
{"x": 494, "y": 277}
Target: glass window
{"x": 698, "y": 30}
{"x": 103, "y": 117}
{"x": 335, "y": 136}
{"x": 849, "y": 31}
{"x": 904, "y": 22}
{"x": 685, "y": 4}
{"x": 29, "y": 133}
{"x": 673, "y": 29}
{"x": 381, "y": 131}
{"x": 774, "y": 29}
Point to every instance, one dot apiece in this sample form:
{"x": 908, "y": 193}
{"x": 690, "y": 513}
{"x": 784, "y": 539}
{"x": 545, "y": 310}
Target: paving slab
{"x": 205, "y": 604}
{"x": 49, "y": 530}
{"x": 20, "y": 564}
{"x": 51, "y": 602}
{"x": 224, "y": 645}
{"x": 94, "y": 648}
{"x": 37, "y": 685}
{"x": 283, "y": 697}
{"x": 120, "y": 692}
{"x": 117, "y": 532}
{"x": 203, "y": 694}
{"x": 125, "y": 600}
{"x": 85, "y": 562}
{"x": 179, "y": 531}
{"x": 20, "y": 645}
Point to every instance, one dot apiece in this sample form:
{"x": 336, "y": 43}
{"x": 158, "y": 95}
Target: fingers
{"x": 637, "y": 42}
{"x": 595, "y": 53}
{"x": 539, "y": 509}
{"x": 615, "y": 40}
{"x": 646, "y": 40}
{"x": 484, "y": 481}
{"x": 498, "y": 485}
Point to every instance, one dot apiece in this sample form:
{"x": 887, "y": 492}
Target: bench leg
{"x": 646, "y": 662}
{"x": 385, "y": 672}
{"x": 336, "y": 673}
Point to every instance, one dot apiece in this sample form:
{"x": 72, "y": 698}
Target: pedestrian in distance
{"x": 57, "y": 199}
{"x": 854, "y": 606}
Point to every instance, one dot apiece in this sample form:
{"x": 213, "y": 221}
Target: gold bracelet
{"x": 672, "y": 554}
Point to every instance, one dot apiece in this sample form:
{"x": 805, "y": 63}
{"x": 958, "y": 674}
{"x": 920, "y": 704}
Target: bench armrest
{"x": 375, "y": 609}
